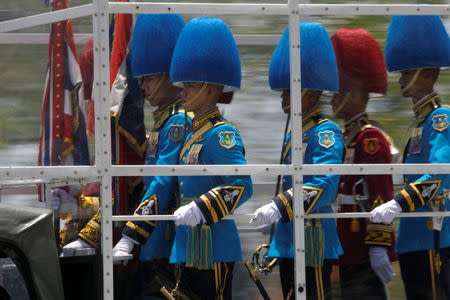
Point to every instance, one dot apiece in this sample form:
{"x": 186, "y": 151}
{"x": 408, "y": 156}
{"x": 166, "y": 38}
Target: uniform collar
{"x": 359, "y": 120}
{"x": 204, "y": 118}
{"x": 308, "y": 116}
{"x": 426, "y": 105}
{"x": 162, "y": 113}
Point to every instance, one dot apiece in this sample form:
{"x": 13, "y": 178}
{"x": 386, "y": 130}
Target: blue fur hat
{"x": 318, "y": 62}
{"x": 417, "y": 42}
{"x": 206, "y": 52}
{"x": 154, "y": 39}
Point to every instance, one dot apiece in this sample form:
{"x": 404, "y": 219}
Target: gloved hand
{"x": 266, "y": 214}
{"x": 189, "y": 215}
{"x": 386, "y": 212}
{"x": 124, "y": 246}
{"x": 69, "y": 249}
{"x": 380, "y": 263}
{"x": 65, "y": 202}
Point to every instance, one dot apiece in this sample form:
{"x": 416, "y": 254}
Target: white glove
{"x": 65, "y": 202}
{"x": 266, "y": 214}
{"x": 380, "y": 263}
{"x": 124, "y": 246}
{"x": 386, "y": 212}
{"x": 69, "y": 249}
{"x": 189, "y": 215}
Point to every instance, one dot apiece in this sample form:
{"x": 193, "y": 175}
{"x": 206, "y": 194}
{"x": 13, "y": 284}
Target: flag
{"x": 127, "y": 114}
{"x": 63, "y": 138}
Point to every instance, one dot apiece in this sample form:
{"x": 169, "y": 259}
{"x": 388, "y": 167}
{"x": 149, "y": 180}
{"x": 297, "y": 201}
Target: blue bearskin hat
{"x": 154, "y": 39}
{"x": 318, "y": 62}
{"x": 417, "y": 42}
{"x": 206, "y": 52}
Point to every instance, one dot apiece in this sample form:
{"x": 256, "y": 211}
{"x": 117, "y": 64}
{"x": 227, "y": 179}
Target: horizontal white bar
{"x": 49, "y": 173}
{"x": 46, "y": 18}
{"x": 373, "y": 9}
{"x": 61, "y": 172}
{"x": 240, "y": 217}
{"x": 37, "y": 38}
{"x": 6, "y": 184}
{"x": 278, "y": 9}
{"x": 42, "y": 38}
{"x": 367, "y": 215}
{"x": 198, "y": 8}
{"x": 346, "y": 169}
{"x": 247, "y": 217}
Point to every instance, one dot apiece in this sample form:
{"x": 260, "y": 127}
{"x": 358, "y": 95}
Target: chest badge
{"x": 152, "y": 147}
{"x": 176, "y": 132}
{"x": 371, "y": 146}
{"x": 226, "y": 139}
{"x": 440, "y": 122}
{"x": 326, "y": 138}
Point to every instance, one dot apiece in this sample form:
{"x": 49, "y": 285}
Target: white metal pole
{"x": 297, "y": 156}
{"x": 100, "y": 22}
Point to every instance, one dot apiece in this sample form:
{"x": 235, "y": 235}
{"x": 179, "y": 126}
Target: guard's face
{"x": 155, "y": 88}
{"x": 191, "y": 90}
{"x": 340, "y": 104}
{"x": 404, "y": 81}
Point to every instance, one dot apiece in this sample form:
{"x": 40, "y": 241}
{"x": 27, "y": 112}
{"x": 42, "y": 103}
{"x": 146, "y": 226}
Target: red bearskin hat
{"x": 86, "y": 67}
{"x": 360, "y": 61}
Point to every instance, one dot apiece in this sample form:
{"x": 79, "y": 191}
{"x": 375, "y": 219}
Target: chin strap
{"x": 156, "y": 90}
{"x": 341, "y": 106}
{"x": 412, "y": 81}
{"x": 200, "y": 91}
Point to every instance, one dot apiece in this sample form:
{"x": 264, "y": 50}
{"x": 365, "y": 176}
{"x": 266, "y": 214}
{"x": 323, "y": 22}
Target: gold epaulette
{"x": 219, "y": 122}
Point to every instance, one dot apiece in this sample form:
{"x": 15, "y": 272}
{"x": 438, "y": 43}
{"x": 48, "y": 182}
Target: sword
{"x": 258, "y": 283}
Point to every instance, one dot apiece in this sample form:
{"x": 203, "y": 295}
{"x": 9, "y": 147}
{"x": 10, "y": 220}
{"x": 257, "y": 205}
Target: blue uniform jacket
{"x": 164, "y": 146}
{"x": 323, "y": 141}
{"x": 213, "y": 141}
{"x": 429, "y": 142}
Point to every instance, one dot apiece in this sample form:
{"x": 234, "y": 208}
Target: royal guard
{"x": 365, "y": 266}
{"x": 205, "y": 63}
{"x": 418, "y": 46}
{"x": 322, "y": 144}
{"x": 153, "y": 43}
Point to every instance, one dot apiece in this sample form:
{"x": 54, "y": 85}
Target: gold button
{"x": 181, "y": 183}
{"x": 181, "y": 195}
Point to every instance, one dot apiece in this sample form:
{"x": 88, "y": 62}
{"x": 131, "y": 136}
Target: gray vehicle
{"x": 27, "y": 238}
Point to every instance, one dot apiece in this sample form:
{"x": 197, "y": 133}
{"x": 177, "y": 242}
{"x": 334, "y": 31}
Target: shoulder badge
{"x": 440, "y": 122}
{"x": 226, "y": 139}
{"x": 176, "y": 132}
{"x": 371, "y": 146}
{"x": 326, "y": 138}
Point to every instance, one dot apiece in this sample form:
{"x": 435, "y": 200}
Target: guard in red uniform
{"x": 365, "y": 266}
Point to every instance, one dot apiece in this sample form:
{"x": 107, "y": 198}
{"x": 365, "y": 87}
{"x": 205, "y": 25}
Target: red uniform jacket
{"x": 365, "y": 144}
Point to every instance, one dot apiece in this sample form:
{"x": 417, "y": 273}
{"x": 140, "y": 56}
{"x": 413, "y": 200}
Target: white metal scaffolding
{"x": 104, "y": 170}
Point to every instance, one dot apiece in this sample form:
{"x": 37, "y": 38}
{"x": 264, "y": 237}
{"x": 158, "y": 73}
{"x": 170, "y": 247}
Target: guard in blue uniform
{"x": 423, "y": 243}
{"x": 206, "y": 62}
{"x": 154, "y": 40}
{"x": 322, "y": 144}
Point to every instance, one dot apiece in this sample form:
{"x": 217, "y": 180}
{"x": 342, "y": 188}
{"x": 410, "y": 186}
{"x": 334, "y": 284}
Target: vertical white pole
{"x": 297, "y": 156}
{"x": 100, "y": 22}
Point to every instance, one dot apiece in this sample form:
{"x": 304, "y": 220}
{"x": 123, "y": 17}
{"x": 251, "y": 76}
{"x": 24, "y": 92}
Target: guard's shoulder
{"x": 328, "y": 135}
{"x": 370, "y": 131}
{"x": 327, "y": 124}
{"x": 224, "y": 134}
{"x": 440, "y": 119}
